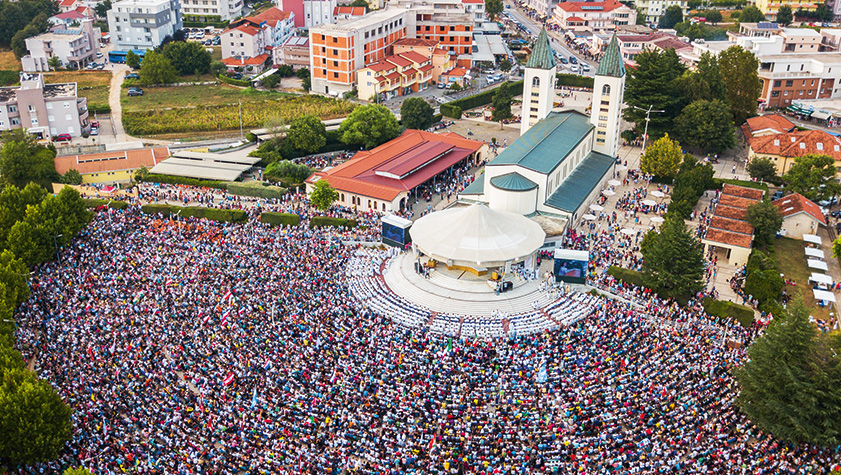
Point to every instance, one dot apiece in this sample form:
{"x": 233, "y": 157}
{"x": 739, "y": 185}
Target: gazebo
{"x": 476, "y": 237}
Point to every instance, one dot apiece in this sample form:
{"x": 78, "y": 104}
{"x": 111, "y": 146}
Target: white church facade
{"x": 561, "y": 160}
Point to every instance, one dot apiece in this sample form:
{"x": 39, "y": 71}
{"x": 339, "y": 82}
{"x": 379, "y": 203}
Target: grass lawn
{"x": 93, "y": 85}
{"x": 791, "y": 261}
{"x": 190, "y": 96}
{"x": 8, "y": 61}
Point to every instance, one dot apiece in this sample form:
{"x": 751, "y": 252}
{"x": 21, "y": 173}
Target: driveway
{"x": 120, "y": 71}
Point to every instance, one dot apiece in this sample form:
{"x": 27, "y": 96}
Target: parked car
{"x": 95, "y": 123}
{"x": 236, "y": 76}
{"x": 441, "y": 85}
{"x": 777, "y": 195}
{"x": 98, "y": 55}
{"x": 135, "y": 91}
{"x": 574, "y": 68}
{"x": 62, "y": 138}
{"x": 573, "y": 60}
{"x": 94, "y": 131}
{"x": 208, "y": 42}
{"x": 216, "y": 41}
{"x": 564, "y": 60}
{"x": 488, "y": 71}
{"x": 585, "y": 67}
{"x": 132, "y": 76}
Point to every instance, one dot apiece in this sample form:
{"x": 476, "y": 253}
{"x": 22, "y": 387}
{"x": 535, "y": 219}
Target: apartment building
{"x": 771, "y": 7}
{"x": 43, "y": 109}
{"x": 442, "y": 60}
{"x": 652, "y": 10}
{"x": 337, "y": 51}
{"x": 543, "y": 8}
{"x": 476, "y": 9}
{"x": 217, "y": 10}
{"x": 345, "y": 13}
{"x": 295, "y": 52}
{"x": 143, "y": 24}
{"x": 630, "y": 45}
{"x": 250, "y": 37}
{"x": 593, "y": 16}
{"x": 71, "y": 19}
{"x": 318, "y": 12}
{"x": 74, "y": 48}
{"x": 445, "y": 21}
{"x": 396, "y": 75}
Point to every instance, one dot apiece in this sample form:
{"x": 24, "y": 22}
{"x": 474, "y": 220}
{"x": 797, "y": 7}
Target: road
{"x": 558, "y": 46}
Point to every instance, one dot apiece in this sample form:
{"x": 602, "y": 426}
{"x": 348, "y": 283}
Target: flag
{"x": 227, "y": 296}
{"x": 254, "y": 398}
{"x": 104, "y": 427}
{"x": 201, "y": 404}
{"x": 90, "y": 353}
{"x": 88, "y": 307}
{"x": 225, "y": 317}
{"x": 541, "y": 375}
{"x": 169, "y": 282}
{"x": 267, "y": 365}
{"x": 228, "y": 379}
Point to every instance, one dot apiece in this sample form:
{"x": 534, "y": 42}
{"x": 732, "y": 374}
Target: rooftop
{"x": 513, "y": 182}
{"x": 797, "y": 143}
{"x": 542, "y": 56}
{"x": 796, "y": 203}
{"x": 727, "y": 224}
{"x": 584, "y": 7}
{"x": 297, "y": 41}
{"x": 415, "y": 42}
{"x": 612, "y": 64}
{"x": 774, "y": 122}
{"x": 111, "y": 161}
{"x": 581, "y": 182}
{"x": 366, "y": 21}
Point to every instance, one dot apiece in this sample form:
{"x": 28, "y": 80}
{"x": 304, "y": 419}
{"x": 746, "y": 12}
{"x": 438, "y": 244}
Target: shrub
{"x": 451, "y": 111}
{"x": 8, "y": 77}
{"x": 250, "y": 137}
{"x": 265, "y": 191}
{"x": 280, "y": 219}
{"x": 215, "y": 214}
{"x": 725, "y": 309}
{"x": 484, "y": 98}
{"x": 629, "y": 276}
{"x": 720, "y": 182}
{"x": 317, "y": 221}
{"x": 96, "y": 203}
{"x": 180, "y": 180}
{"x": 574, "y": 80}
{"x": 233, "y": 82}
{"x": 437, "y": 118}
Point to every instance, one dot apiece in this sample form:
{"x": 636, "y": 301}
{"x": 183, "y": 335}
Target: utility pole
{"x": 241, "y": 137}
{"x": 55, "y": 242}
{"x": 647, "y": 120}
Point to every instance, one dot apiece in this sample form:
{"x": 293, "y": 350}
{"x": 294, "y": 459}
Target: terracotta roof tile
{"x": 732, "y": 225}
{"x": 731, "y": 212}
{"x": 415, "y": 42}
{"x": 414, "y": 57}
{"x": 246, "y": 62}
{"x": 398, "y": 60}
{"x": 796, "y": 144}
{"x": 796, "y": 203}
{"x": 111, "y": 161}
{"x": 270, "y": 16}
{"x": 729, "y": 238}
{"x": 743, "y": 192}
{"x": 607, "y": 6}
{"x": 774, "y": 122}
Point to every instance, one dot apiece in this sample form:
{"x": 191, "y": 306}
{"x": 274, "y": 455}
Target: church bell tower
{"x": 608, "y": 95}
{"x": 538, "y": 84}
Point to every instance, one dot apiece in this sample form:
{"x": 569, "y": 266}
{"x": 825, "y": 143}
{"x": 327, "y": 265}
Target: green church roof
{"x": 547, "y": 143}
{"x": 612, "y": 63}
{"x": 541, "y": 56}
{"x": 513, "y": 182}
{"x": 581, "y": 182}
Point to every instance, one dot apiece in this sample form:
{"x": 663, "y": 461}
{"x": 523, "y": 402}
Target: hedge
{"x": 574, "y": 80}
{"x": 265, "y": 191}
{"x": 719, "y": 184}
{"x": 215, "y": 214}
{"x": 484, "y": 98}
{"x": 725, "y": 309}
{"x": 451, "y": 111}
{"x": 317, "y": 221}
{"x": 180, "y": 180}
{"x": 280, "y": 219}
{"x": 628, "y": 276}
{"x": 8, "y": 77}
{"x": 96, "y": 203}
{"x": 233, "y": 82}
{"x": 437, "y": 118}
{"x": 99, "y": 108}
{"x": 201, "y": 24}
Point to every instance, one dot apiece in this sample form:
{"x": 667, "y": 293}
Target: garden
{"x": 93, "y": 85}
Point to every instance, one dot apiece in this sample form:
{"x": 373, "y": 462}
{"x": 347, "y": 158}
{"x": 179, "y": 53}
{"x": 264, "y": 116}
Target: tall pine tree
{"x": 653, "y": 84}
{"x": 674, "y": 261}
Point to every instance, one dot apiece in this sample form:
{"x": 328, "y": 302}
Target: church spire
{"x": 541, "y": 56}
{"x": 612, "y": 64}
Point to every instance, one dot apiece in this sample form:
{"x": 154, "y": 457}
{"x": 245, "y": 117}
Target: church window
{"x": 535, "y": 82}
{"x": 601, "y": 132}
{"x": 602, "y": 117}
{"x": 606, "y": 89}
{"x": 604, "y": 103}
{"x": 600, "y": 140}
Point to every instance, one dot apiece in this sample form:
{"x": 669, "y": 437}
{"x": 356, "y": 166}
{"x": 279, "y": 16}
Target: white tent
{"x": 816, "y": 264}
{"x": 824, "y": 295}
{"x": 812, "y": 252}
{"x": 596, "y": 207}
{"x": 821, "y": 278}
{"x": 658, "y": 194}
{"x": 477, "y": 235}
{"x": 812, "y": 238}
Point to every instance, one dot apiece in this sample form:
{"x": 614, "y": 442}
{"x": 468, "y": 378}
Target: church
{"x": 561, "y": 160}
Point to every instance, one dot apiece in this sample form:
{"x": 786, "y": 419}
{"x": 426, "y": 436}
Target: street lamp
{"x": 55, "y": 242}
{"x": 647, "y": 120}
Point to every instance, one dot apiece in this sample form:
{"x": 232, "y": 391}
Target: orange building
{"x": 453, "y": 32}
{"x": 338, "y": 51}
{"x": 396, "y": 75}
{"x": 442, "y": 60}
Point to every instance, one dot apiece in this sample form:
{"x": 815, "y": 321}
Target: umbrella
{"x": 621, "y": 168}
{"x": 596, "y": 207}
{"x": 614, "y": 182}
{"x": 657, "y": 219}
{"x": 649, "y": 202}
{"x": 608, "y": 192}
{"x": 657, "y": 194}
{"x": 628, "y": 231}
{"x": 588, "y": 217}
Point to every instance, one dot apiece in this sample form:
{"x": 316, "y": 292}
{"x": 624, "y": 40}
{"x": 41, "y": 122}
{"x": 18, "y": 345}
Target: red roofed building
{"x": 442, "y": 60}
{"x": 383, "y": 179}
{"x": 630, "y": 45}
{"x": 396, "y": 75}
{"x": 65, "y": 6}
{"x": 111, "y": 167}
{"x": 593, "y": 16}
{"x": 254, "y": 36}
{"x": 800, "y": 216}
{"x": 461, "y": 76}
{"x": 783, "y": 149}
{"x": 767, "y": 125}
{"x": 728, "y": 230}
{"x": 341, "y": 13}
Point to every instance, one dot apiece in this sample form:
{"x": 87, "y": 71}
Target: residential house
{"x": 442, "y": 60}
{"x": 769, "y": 124}
{"x": 784, "y": 149}
{"x": 74, "y": 48}
{"x": 249, "y": 41}
{"x": 44, "y": 110}
{"x": 71, "y": 19}
{"x": 143, "y": 24}
{"x": 476, "y": 9}
{"x": 652, "y": 10}
{"x": 111, "y": 167}
{"x": 396, "y": 75}
{"x": 211, "y": 10}
{"x": 345, "y": 13}
{"x": 800, "y": 215}
{"x": 593, "y": 16}
{"x": 771, "y": 7}
{"x": 65, "y": 6}
{"x": 295, "y": 52}
{"x": 460, "y": 76}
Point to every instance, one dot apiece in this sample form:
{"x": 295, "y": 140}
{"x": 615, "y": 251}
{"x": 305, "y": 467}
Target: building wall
{"x": 296, "y": 7}
{"x": 538, "y": 99}
{"x": 521, "y": 202}
{"x": 771, "y": 7}
{"x": 452, "y": 36}
{"x": 108, "y": 177}
{"x": 653, "y": 9}
{"x": 226, "y": 10}
{"x": 238, "y": 43}
{"x": 143, "y": 25}
{"x": 318, "y": 12}
{"x": 796, "y": 225}
{"x": 608, "y": 96}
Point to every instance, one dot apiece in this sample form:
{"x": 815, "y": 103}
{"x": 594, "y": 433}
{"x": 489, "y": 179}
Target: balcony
{"x": 766, "y": 74}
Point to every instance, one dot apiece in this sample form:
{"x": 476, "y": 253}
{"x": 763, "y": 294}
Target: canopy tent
{"x": 614, "y": 182}
{"x": 649, "y": 202}
{"x": 628, "y": 231}
{"x": 608, "y": 192}
{"x": 822, "y": 115}
{"x": 588, "y": 217}
{"x": 657, "y": 219}
{"x": 824, "y": 295}
{"x": 816, "y": 264}
{"x": 812, "y": 252}
{"x": 812, "y": 238}
{"x": 658, "y": 194}
{"x": 596, "y": 207}
{"x": 476, "y": 235}
{"x": 821, "y": 278}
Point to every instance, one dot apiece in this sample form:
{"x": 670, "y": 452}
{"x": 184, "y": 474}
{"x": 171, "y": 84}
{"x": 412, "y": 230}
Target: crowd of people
{"x": 198, "y": 347}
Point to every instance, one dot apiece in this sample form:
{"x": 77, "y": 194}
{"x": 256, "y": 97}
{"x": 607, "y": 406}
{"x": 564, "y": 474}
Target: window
{"x": 15, "y": 121}
{"x": 775, "y": 94}
{"x": 535, "y": 82}
{"x": 778, "y": 83}
{"x": 34, "y": 120}
{"x": 602, "y": 117}
{"x": 335, "y": 75}
{"x": 13, "y": 108}
{"x": 605, "y": 91}
{"x": 789, "y": 83}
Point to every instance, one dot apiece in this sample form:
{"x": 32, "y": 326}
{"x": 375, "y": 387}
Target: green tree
{"x": 705, "y": 83}
{"x": 72, "y": 177}
{"x": 13, "y": 276}
{"x": 323, "y": 195}
{"x": 217, "y": 68}
{"x": 304, "y": 75}
{"x": 307, "y": 133}
{"x": 823, "y": 12}
{"x": 416, "y": 113}
{"x": 369, "y": 126}
{"x": 132, "y": 59}
{"x": 713, "y": 16}
{"x": 813, "y": 176}
{"x": 501, "y": 102}
{"x": 790, "y": 379}
{"x": 784, "y": 15}
{"x": 493, "y": 8}
{"x": 762, "y": 168}
{"x": 288, "y": 172}
{"x": 24, "y": 160}
{"x": 10, "y": 359}
{"x": 765, "y": 219}
{"x": 13, "y": 204}
{"x": 157, "y": 69}
{"x": 187, "y": 57}
{"x": 672, "y": 16}
{"x": 742, "y": 80}
{"x": 653, "y": 84}
{"x": 751, "y": 14}
{"x": 34, "y": 421}
{"x": 77, "y": 471}
{"x": 101, "y": 8}
{"x": 285, "y": 71}
{"x": 706, "y": 125}
{"x": 505, "y": 65}
{"x": 18, "y": 43}
{"x": 673, "y": 263}
{"x": 271, "y": 81}
{"x": 455, "y": 87}
{"x": 54, "y": 63}
{"x": 662, "y": 158}
{"x": 361, "y": 3}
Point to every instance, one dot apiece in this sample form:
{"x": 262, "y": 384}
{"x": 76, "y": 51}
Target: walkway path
{"x": 119, "y": 73}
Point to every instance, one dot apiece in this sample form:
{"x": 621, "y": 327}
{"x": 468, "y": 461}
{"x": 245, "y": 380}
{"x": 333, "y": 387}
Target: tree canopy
{"x": 751, "y": 14}
{"x": 672, "y": 16}
{"x": 765, "y": 219}
{"x": 493, "y": 8}
{"x": 501, "y": 101}
{"x": 369, "y": 126}
{"x": 742, "y": 82}
{"x": 416, "y": 113}
{"x": 813, "y": 176}
{"x": 762, "y": 168}
{"x": 323, "y": 195}
{"x": 157, "y": 69}
{"x": 653, "y": 84}
{"x": 706, "y": 125}
{"x": 132, "y": 59}
{"x": 784, "y": 15}
{"x": 24, "y": 160}
{"x": 187, "y": 57}
{"x": 307, "y": 133}
{"x": 673, "y": 260}
{"x": 713, "y": 16}
{"x": 662, "y": 158}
